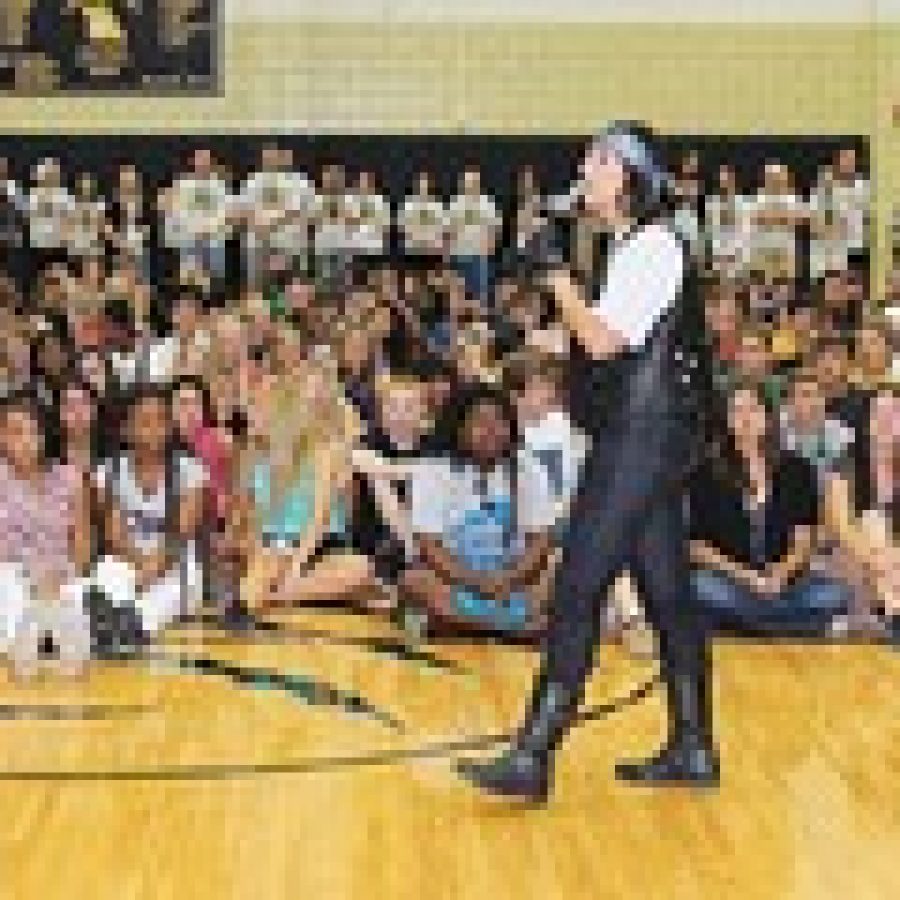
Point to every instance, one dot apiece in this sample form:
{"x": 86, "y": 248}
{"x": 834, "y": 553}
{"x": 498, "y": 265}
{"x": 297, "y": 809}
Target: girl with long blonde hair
{"x": 296, "y": 474}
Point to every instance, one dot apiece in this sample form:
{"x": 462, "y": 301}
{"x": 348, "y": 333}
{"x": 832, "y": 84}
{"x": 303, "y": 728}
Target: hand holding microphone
{"x": 541, "y": 251}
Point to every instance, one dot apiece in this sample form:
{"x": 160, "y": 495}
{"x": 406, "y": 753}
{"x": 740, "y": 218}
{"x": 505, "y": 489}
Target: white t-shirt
{"x": 472, "y": 222}
{"x": 370, "y": 221}
{"x": 686, "y": 223}
{"x": 643, "y": 282}
{"x": 85, "y": 227}
{"x": 767, "y": 240}
{"x": 152, "y": 362}
{"x": 132, "y": 229}
{"x": 333, "y": 229}
{"x": 828, "y": 245}
{"x": 423, "y": 221}
{"x": 555, "y": 444}
{"x": 48, "y": 210}
{"x": 852, "y": 201}
{"x": 200, "y": 207}
{"x": 144, "y": 514}
{"x": 728, "y": 230}
{"x": 442, "y": 492}
{"x": 283, "y": 203}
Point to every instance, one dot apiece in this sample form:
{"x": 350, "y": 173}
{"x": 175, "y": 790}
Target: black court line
{"x": 260, "y": 630}
{"x": 226, "y": 771}
{"x": 69, "y": 712}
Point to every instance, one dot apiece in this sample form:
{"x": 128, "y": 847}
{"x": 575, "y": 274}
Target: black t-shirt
{"x": 854, "y": 409}
{"x": 753, "y": 537}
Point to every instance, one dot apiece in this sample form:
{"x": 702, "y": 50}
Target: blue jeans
{"x": 807, "y": 605}
{"x": 476, "y": 274}
{"x": 210, "y": 256}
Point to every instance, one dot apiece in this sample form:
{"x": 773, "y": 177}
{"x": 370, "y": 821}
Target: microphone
{"x": 567, "y": 205}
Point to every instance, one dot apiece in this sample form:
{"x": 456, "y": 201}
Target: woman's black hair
{"x": 58, "y": 332}
{"x": 98, "y": 432}
{"x": 454, "y": 417}
{"x": 731, "y": 463}
{"x": 193, "y": 383}
{"x": 647, "y": 199}
{"x": 129, "y": 401}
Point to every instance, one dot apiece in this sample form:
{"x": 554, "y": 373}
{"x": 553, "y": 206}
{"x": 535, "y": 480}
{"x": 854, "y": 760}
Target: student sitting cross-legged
{"x": 296, "y": 476}
{"x": 44, "y": 544}
{"x": 753, "y": 521}
{"x": 151, "y": 494}
{"x": 479, "y": 518}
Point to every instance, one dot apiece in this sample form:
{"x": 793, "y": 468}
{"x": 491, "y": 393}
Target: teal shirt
{"x": 289, "y": 520}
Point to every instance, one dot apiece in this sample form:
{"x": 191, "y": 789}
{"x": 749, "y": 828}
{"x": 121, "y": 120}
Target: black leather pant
{"x": 630, "y": 514}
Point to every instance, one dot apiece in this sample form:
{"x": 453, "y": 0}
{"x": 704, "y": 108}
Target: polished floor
{"x": 315, "y": 762}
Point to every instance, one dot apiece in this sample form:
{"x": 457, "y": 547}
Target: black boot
{"x": 689, "y": 757}
{"x": 524, "y": 771}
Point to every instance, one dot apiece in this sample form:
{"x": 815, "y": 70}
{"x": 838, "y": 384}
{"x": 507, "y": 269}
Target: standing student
{"x": 473, "y": 227}
{"x": 640, "y": 378}
{"x": 197, "y": 210}
{"x": 47, "y": 207}
{"x": 422, "y": 220}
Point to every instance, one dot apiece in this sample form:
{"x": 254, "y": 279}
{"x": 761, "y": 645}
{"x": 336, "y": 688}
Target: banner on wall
{"x": 49, "y": 46}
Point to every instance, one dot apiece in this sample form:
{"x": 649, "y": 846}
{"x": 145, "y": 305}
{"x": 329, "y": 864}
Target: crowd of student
{"x": 290, "y": 391}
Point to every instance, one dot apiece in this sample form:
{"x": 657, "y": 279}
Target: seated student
{"x": 549, "y": 436}
{"x": 862, "y": 511}
{"x": 152, "y": 496}
{"x": 225, "y": 515}
{"x": 829, "y": 446}
{"x": 754, "y": 517}
{"x": 296, "y": 475}
{"x": 44, "y": 544}
{"x": 481, "y": 518}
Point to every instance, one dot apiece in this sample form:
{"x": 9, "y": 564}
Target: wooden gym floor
{"x": 199, "y": 772}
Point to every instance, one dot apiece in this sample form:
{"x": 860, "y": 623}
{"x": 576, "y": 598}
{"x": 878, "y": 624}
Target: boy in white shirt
{"x": 423, "y": 219}
{"x": 198, "y": 210}
{"x": 549, "y": 437}
{"x": 852, "y": 199}
{"x": 776, "y": 212}
{"x": 726, "y": 221}
{"x": 275, "y": 206}
{"x": 48, "y": 206}
{"x": 370, "y": 217}
{"x": 332, "y": 228}
{"x": 473, "y": 227}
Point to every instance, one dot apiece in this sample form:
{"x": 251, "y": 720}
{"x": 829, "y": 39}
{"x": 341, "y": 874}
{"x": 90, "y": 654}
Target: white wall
{"x": 563, "y": 10}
